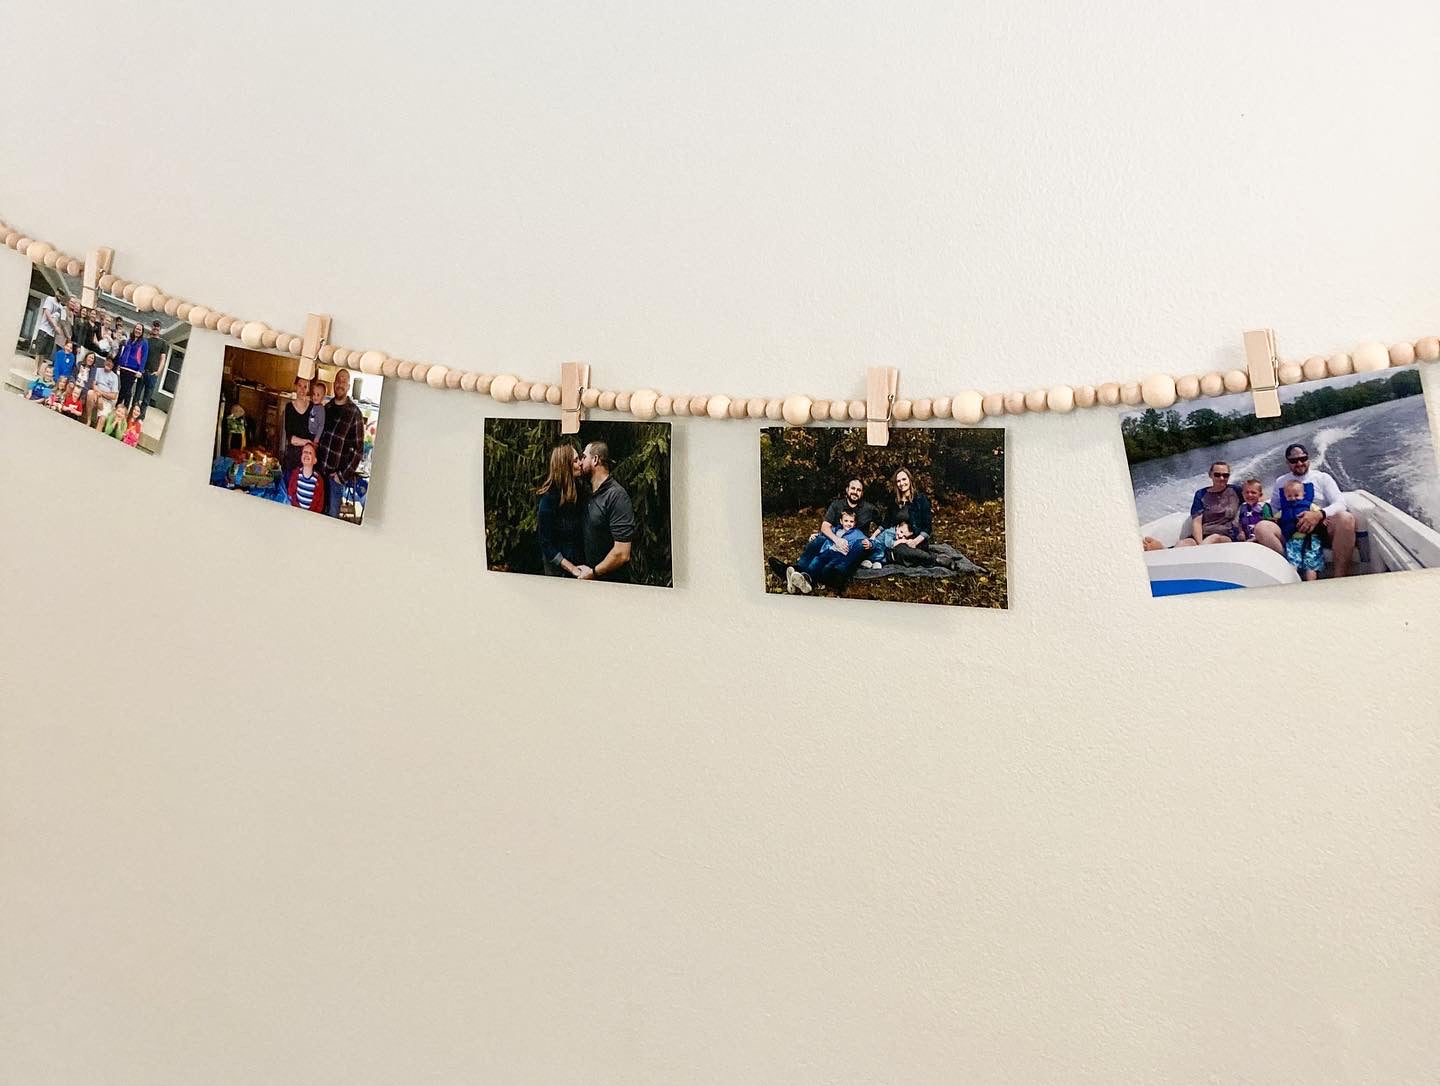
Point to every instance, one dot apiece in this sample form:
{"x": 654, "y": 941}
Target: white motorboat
{"x": 1387, "y": 540}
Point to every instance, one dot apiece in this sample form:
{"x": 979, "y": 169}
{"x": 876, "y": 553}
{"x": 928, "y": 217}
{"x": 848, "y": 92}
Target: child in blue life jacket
{"x": 43, "y": 384}
{"x": 1303, "y": 549}
{"x": 1253, "y": 509}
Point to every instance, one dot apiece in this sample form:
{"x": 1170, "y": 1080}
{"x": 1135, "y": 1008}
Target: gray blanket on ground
{"x": 959, "y": 564}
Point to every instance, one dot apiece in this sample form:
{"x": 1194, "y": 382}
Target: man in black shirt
{"x": 852, "y": 501}
{"x": 609, "y": 528}
{"x": 154, "y": 363}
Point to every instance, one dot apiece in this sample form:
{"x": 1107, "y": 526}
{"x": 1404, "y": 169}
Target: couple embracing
{"x": 584, "y": 519}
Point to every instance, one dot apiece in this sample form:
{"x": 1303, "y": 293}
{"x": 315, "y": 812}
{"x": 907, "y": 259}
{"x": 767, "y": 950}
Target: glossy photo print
{"x": 921, "y": 520}
{"x": 111, "y": 368}
{"x": 592, "y": 506}
{"x": 305, "y": 442}
{"x": 1343, "y": 484}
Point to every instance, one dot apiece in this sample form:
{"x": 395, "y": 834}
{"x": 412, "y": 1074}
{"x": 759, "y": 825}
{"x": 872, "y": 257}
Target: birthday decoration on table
{"x": 1293, "y": 472}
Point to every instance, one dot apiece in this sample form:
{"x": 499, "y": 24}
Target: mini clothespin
{"x": 881, "y": 385}
{"x": 317, "y": 334}
{"x": 574, "y": 380}
{"x": 1260, "y": 361}
{"x": 97, "y": 263}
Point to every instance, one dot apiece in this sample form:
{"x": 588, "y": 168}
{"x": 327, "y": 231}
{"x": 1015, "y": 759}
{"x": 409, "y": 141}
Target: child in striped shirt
{"x": 306, "y": 486}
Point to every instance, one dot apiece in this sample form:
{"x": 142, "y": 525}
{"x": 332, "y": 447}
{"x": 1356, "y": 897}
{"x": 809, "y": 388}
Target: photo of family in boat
{"x": 592, "y": 506}
{"x": 1344, "y": 483}
{"x": 920, "y": 520}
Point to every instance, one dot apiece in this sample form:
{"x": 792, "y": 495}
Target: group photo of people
{"x": 106, "y": 366}
{"x": 920, "y": 520}
{"x": 1343, "y": 483}
{"x": 592, "y": 506}
{"x": 303, "y": 441}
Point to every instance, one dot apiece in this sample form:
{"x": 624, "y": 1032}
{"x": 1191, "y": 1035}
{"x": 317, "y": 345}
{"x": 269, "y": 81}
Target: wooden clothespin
{"x": 574, "y": 380}
{"x": 317, "y": 334}
{"x": 97, "y": 263}
{"x": 1260, "y": 361}
{"x": 881, "y": 385}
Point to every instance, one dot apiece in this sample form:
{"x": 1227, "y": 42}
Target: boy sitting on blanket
{"x": 884, "y": 544}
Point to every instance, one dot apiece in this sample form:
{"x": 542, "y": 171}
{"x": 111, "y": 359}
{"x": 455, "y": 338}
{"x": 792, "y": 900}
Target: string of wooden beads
{"x": 969, "y": 406}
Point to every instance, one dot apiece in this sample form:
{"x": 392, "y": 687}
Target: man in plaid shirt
{"x": 341, "y": 442}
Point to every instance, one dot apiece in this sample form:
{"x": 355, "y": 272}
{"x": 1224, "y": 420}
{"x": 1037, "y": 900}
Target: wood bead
{"x": 1313, "y": 368}
{"x": 344, "y": 356}
{"x": 502, "y": 388}
{"x": 538, "y": 391}
{"x": 1291, "y": 373}
{"x": 993, "y": 405}
{"x": 53, "y": 258}
{"x": 1369, "y": 357}
{"x": 738, "y": 408}
{"x": 796, "y": 410}
{"x": 326, "y": 354}
{"x": 968, "y": 407}
{"x": 717, "y": 406}
{"x": 1428, "y": 349}
{"x": 1158, "y": 390}
{"x": 145, "y": 296}
{"x": 1212, "y": 383}
{"x": 434, "y": 376}
{"x": 606, "y": 401}
{"x": 171, "y": 307}
{"x": 839, "y": 410}
{"x": 37, "y": 250}
{"x": 1085, "y": 396}
{"x": 1236, "y": 380}
{"x": 1037, "y": 400}
{"x": 404, "y": 369}
{"x": 270, "y": 338}
{"x": 642, "y": 403}
{"x": 820, "y": 410}
{"x": 1130, "y": 393}
{"x": 622, "y": 401}
{"x": 467, "y": 381}
{"x": 196, "y": 315}
{"x": 922, "y": 410}
{"x": 22, "y": 243}
{"x": 855, "y": 410}
{"x": 755, "y": 408}
{"x": 420, "y": 373}
{"x": 129, "y": 292}
{"x": 552, "y": 394}
{"x": 11, "y": 237}
{"x": 1338, "y": 365}
{"x": 775, "y": 410}
{"x": 699, "y": 405}
{"x": 106, "y": 281}
{"x": 1402, "y": 354}
{"x": 1188, "y": 387}
{"x": 901, "y": 410}
{"x": 74, "y": 267}
{"x": 941, "y": 406}
{"x": 590, "y": 397}
{"x": 1109, "y": 393}
{"x": 1060, "y": 399}
{"x": 391, "y": 368}
{"x": 452, "y": 379}
{"x": 1015, "y": 403}
{"x": 680, "y": 405}
{"x": 522, "y": 386}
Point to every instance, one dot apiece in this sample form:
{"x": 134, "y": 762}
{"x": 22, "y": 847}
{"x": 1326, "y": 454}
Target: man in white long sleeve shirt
{"x": 1334, "y": 521}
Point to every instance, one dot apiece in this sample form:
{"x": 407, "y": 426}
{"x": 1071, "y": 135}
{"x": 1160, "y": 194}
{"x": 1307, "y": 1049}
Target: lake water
{"x": 1385, "y": 449}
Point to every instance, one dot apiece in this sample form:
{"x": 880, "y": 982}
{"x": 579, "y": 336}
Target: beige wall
{"x": 288, "y": 801}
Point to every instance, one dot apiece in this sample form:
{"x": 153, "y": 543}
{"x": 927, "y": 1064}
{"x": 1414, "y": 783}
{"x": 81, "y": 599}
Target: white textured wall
{"x": 553, "y": 835}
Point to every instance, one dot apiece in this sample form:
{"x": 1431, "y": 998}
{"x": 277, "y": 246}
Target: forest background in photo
{"x": 517, "y": 455}
{"x": 1153, "y": 434}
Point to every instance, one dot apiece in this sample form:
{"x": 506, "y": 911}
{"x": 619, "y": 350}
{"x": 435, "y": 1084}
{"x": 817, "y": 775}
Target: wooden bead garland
{"x": 968, "y": 407}
{"x": 1060, "y": 399}
{"x": 1369, "y": 357}
{"x": 1158, "y": 390}
{"x": 1428, "y": 349}
{"x": 1402, "y": 354}
{"x": 796, "y": 410}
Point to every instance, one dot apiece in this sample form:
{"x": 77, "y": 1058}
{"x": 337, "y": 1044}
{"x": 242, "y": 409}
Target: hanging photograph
{"x": 592, "y": 506}
{"x": 1344, "y": 483}
{"x": 298, "y": 441}
{"x": 110, "y": 367}
{"x": 921, "y": 520}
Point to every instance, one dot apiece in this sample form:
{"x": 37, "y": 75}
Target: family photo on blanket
{"x": 920, "y": 520}
{"x": 592, "y": 506}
